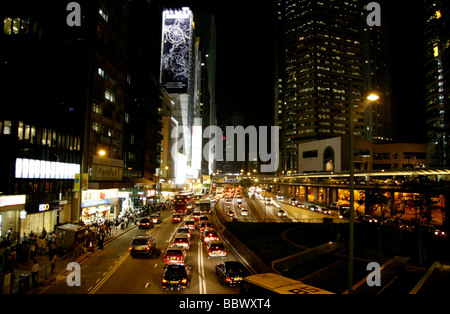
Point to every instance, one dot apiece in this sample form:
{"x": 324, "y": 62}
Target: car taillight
{"x": 184, "y": 281}
{"x": 164, "y": 280}
{"x": 130, "y": 248}
{"x": 147, "y": 248}
{"x": 228, "y": 279}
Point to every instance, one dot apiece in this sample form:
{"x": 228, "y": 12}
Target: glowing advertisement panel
{"x": 42, "y": 169}
{"x": 176, "y": 50}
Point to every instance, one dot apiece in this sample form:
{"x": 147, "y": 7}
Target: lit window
{"x": 101, "y": 72}
{"x": 7, "y": 127}
{"x": 7, "y": 25}
{"x": 436, "y": 50}
{"x": 97, "y": 108}
{"x": 95, "y": 126}
{"x": 110, "y": 95}
{"x": 103, "y": 14}
{"x": 20, "y": 131}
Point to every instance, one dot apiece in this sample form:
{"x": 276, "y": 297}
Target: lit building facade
{"x": 41, "y": 133}
{"x": 329, "y": 67}
{"x": 323, "y": 74}
{"x": 437, "y": 65}
{"x": 378, "y": 116}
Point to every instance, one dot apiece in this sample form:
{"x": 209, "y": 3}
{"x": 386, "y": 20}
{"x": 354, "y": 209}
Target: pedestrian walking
{"x": 35, "y": 272}
{"x": 101, "y": 237}
{"x": 53, "y": 263}
{"x": 32, "y": 250}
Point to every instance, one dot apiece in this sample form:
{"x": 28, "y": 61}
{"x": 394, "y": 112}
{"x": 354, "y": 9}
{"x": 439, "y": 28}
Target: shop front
{"x": 98, "y": 205}
{"x": 10, "y": 208}
{"x": 93, "y": 211}
{"x": 38, "y": 216}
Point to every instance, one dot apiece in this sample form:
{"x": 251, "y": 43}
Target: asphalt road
{"x": 113, "y": 271}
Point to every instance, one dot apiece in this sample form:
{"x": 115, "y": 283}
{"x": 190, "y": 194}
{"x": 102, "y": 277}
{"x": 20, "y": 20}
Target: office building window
{"x": 110, "y": 95}
{"x": 103, "y": 14}
{"x": 97, "y": 108}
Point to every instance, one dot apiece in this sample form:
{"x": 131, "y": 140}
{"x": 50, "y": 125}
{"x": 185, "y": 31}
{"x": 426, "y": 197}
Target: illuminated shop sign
{"x": 91, "y": 203}
{"x": 43, "y": 169}
{"x": 11, "y": 200}
{"x": 44, "y": 207}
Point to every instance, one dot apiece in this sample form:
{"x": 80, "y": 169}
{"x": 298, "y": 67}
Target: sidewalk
{"x": 22, "y": 283}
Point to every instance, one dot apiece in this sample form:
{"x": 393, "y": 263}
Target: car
{"x": 230, "y": 213}
{"x": 155, "y": 218}
{"x": 324, "y": 210}
{"x": 369, "y": 219}
{"x": 203, "y": 218}
{"x": 196, "y": 215}
{"x": 437, "y": 232}
{"x": 210, "y": 235}
{"x": 176, "y": 277}
{"x": 216, "y": 249}
{"x": 390, "y": 223}
{"x": 181, "y": 240}
{"x": 190, "y": 223}
{"x": 175, "y": 254}
{"x": 205, "y": 225}
{"x": 176, "y": 218}
{"x": 281, "y": 213}
{"x": 142, "y": 245}
{"x": 244, "y": 212}
{"x": 145, "y": 223}
{"x": 185, "y": 230}
{"x": 231, "y": 273}
{"x": 335, "y": 205}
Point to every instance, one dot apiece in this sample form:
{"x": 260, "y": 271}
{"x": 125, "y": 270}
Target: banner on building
{"x": 77, "y": 182}
{"x": 176, "y": 49}
{"x": 85, "y": 181}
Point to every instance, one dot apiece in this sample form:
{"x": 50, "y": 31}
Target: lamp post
{"x": 372, "y": 97}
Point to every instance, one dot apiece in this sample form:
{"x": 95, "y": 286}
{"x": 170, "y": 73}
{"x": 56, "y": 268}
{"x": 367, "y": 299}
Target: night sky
{"x": 245, "y": 61}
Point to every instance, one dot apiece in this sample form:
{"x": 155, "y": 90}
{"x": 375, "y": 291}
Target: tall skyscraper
{"x": 177, "y": 64}
{"x": 378, "y": 116}
{"x": 437, "y": 65}
{"x": 326, "y": 70}
{"x": 323, "y": 73}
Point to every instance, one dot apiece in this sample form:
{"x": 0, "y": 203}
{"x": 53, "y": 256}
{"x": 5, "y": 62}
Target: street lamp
{"x": 102, "y": 153}
{"x": 371, "y": 97}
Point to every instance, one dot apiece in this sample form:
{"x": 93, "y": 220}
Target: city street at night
{"x": 197, "y": 155}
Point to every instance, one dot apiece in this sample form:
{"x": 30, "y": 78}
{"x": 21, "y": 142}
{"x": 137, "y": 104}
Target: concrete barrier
{"x": 250, "y": 258}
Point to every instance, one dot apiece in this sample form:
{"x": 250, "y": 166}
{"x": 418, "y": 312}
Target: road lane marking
{"x": 103, "y": 280}
{"x": 201, "y": 271}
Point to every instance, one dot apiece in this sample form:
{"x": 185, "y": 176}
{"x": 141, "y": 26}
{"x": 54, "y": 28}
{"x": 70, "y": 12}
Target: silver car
{"x": 142, "y": 245}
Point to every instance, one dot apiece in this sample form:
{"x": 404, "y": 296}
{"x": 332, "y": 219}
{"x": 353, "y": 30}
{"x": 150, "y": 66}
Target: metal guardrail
{"x": 24, "y": 279}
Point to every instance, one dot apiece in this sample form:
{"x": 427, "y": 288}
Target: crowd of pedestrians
{"x": 31, "y": 245}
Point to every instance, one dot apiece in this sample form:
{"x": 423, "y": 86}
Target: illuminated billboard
{"x": 176, "y": 49}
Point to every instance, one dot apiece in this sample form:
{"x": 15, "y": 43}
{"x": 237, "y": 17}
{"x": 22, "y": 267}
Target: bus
{"x": 271, "y": 283}
{"x": 184, "y": 203}
{"x": 205, "y": 206}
